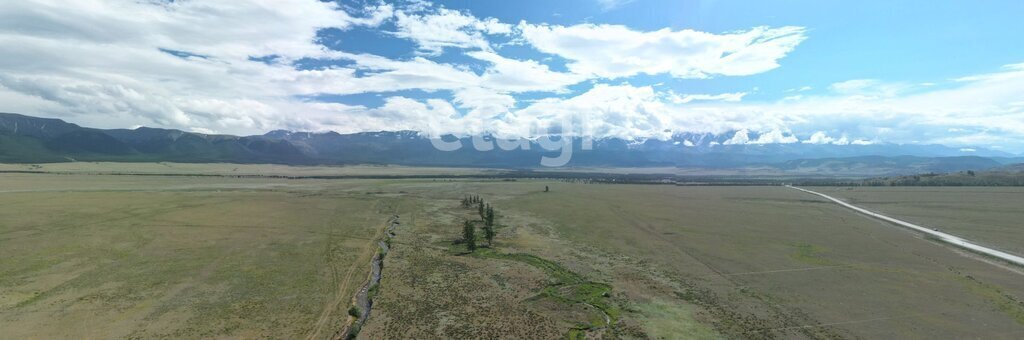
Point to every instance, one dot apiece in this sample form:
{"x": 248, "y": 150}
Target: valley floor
{"x": 155, "y": 256}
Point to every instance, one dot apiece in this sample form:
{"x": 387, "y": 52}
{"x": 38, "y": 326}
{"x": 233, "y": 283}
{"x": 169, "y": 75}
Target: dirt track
{"x": 944, "y": 237}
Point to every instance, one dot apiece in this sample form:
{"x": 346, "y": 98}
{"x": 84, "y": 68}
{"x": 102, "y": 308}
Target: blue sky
{"x": 837, "y": 72}
{"x": 909, "y": 41}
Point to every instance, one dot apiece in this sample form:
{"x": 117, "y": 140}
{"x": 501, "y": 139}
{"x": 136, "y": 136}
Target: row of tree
{"x": 486, "y": 213}
{"x": 963, "y": 178}
{"x": 471, "y": 200}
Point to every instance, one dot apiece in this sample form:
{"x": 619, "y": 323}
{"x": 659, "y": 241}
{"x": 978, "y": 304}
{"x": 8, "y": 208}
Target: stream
{"x": 363, "y": 298}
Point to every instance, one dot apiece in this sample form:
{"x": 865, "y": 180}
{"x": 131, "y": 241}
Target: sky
{"x": 817, "y": 71}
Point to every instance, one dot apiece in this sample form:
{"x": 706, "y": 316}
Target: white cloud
{"x": 382, "y": 75}
{"x": 775, "y": 137}
{"x": 433, "y": 32}
{"x": 106, "y": 62}
{"x": 770, "y": 137}
{"x": 522, "y": 75}
{"x": 607, "y": 5}
{"x": 869, "y": 87}
{"x": 605, "y": 110}
{"x": 725, "y": 97}
{"x": 741, "y": 137}
{"x": 821, "y": 137}
{"x": 483, "y": 104}
{"x": 113, "y": 64}
{"x": 202, "y": 130}
{"x": 641, "y": 112}
{"x": 989, "y": 103}
{"x": 613, "y": 51}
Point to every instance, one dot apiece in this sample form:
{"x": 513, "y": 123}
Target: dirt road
{"x": 944, "y": 237}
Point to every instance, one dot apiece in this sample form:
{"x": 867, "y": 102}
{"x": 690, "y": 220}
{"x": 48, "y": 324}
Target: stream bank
{"x": 363, "y": 300}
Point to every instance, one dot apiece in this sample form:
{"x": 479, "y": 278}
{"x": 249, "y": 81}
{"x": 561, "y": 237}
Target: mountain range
{"x": 26, "y": 139}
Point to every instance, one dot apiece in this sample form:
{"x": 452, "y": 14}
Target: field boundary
{"x": 941, "y": 236}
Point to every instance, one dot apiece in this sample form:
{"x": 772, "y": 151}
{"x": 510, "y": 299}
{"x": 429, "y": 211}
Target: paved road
{"x": 944, "y": 237}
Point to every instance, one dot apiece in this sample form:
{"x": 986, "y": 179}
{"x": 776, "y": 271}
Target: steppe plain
{"x": 173, "y": 255}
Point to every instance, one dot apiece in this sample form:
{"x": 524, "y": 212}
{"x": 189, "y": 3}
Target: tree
{"x": 480, "y": 209}
{"x": 489, "y": 234}
{"x": 545, "y": 188}
{"x": 489, "y": 216}
{"x": 469, "y": 235}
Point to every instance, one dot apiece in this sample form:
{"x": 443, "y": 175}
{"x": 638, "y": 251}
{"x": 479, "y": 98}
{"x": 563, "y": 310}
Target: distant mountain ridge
{"x": 25, "y": 139}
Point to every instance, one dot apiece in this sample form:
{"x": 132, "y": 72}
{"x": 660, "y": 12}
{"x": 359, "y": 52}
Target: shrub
{"x": 354, "y": 312}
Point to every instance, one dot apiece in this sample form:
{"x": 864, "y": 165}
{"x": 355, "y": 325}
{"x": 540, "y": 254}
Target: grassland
{"x": 155, "y": 256}
{"x": 231, "y": 169}
{"x": 735, "y": 262}
{"x": 115, "y": 257}
{"x": 801, "y": 267}
{"x": 990, "y": 215}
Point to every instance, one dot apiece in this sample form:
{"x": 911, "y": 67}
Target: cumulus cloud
{"x": 483, "y": 104}
{"x": 175, "y": 64}
{"x": 770, "y": 137}
{"x": 775, "y": 137}
{"x": 228, "y": 67}
{"x": 821, "y": 137}
{"x": 522, "y": 75}
{"x": 985, "y": 109}
{"x": 741, "y": 137}
{"x": 604, "y": 110}
{"x": 432, "y": 32}
{"x": 686, "y": 98}
{"x": 191, "y": 65}
{"x": 614, "y": 51}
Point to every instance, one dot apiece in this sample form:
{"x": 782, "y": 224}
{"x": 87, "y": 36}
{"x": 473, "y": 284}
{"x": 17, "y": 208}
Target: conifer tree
{"x": 489, "y": 216}
{"x": 489, "y": 234}
{"x": 469, "y": 235}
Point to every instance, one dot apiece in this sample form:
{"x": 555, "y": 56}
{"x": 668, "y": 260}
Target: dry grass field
{"x": 739, "y": 262}
{"x": 232, "y": 169}
{"x": 154, "y": 256}
{"x": 773, "y": 261}
{"x": 990, "y": 215}
{"x": 117, "y": 256}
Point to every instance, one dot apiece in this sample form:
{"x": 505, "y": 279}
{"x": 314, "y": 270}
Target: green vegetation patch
{"x": 1005, "y": 303}
{"x": 567, "y": 287}
{"x": 664, "y": 320}
{"x": 810, "y": 254}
